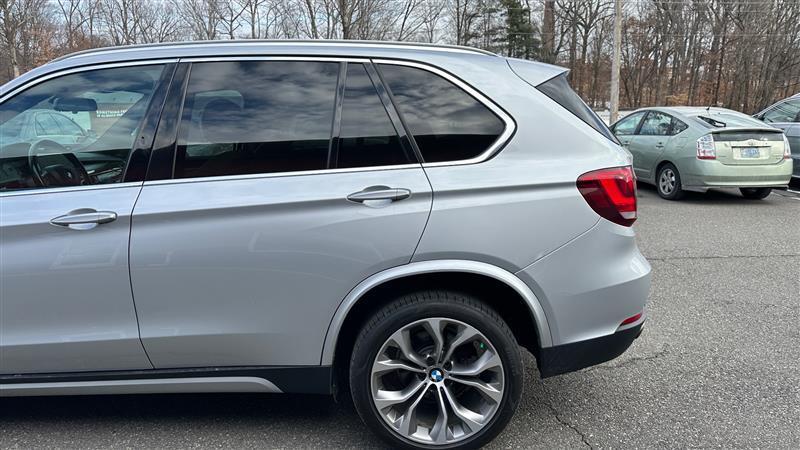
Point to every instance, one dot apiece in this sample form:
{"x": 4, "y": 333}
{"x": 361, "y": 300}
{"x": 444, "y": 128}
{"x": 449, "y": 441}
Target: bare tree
{"x": 24, "y": 32}
{"x": 202, "y": 17}
{"x": 432, "y": 11}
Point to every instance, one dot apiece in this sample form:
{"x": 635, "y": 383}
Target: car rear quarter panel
{"x": 521, "y": 211}
{"x": 523, "y": 203}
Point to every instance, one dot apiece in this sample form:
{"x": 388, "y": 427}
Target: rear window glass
{"x": 714, "y": 119}
{"x": 559, "y": 91}
{"x": 447, "y": 123}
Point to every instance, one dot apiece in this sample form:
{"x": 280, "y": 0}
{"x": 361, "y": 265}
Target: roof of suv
{"x": 449, "y": 58}
{"x": 235, "y": 47}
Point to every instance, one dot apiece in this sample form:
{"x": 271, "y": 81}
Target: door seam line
{"x": 130, "y": 279}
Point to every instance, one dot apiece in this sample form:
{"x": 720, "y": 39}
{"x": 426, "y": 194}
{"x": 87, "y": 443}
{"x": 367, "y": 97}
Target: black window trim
{"x": 161, "y": 162}
{"x": 139, "y": 157}
{"x": 69, "y": 71}
{"x": 410, "y": 150}
{"x": 406, "y": 139}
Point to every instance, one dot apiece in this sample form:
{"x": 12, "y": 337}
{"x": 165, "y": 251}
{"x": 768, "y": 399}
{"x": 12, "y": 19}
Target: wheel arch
{"x": 366, "y": 296}
{"x": 661, "y": 163}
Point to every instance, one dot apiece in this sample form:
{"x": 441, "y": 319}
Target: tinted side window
{"x": 367, "y": 136}
{"x": 248, "y": 117}
{"x": 656, "y": 124}
{"x": 558, "y": 90}
{"x": 78, "y": 129}
{"x": 627, "y": 125}
{"x": 788, "y": 111}
{"x": 678, "y": 126}
{"x": 447, "y": 123}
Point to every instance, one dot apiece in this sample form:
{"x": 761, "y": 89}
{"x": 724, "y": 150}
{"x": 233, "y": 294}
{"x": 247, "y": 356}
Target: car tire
{"x": 755, "y": 193}
{"x": 668, "y": 182}
{"x": 441, "y": 379}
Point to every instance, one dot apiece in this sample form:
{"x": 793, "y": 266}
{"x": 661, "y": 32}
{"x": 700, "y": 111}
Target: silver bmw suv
{"x": 390, "y": 222}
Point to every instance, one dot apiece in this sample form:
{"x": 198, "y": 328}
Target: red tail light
{"x": 611, "y": 193}
{"x": 631, "y": 319}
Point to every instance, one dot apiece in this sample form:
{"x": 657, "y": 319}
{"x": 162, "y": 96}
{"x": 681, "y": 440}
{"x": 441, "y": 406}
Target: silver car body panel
{"x": 65, "y": 294}
{"x": 236, "y": 271}
{"x": 262, "y": 269}
{"x": 614, "y": 280}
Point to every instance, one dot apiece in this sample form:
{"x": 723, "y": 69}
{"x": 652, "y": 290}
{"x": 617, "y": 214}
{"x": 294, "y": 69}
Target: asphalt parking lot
{"x": 718, "y": 364}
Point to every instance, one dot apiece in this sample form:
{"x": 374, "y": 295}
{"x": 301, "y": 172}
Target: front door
{"x": 291, "y": 185}
{"x": 65, "y": 294}
{"x": 625, "y": 131}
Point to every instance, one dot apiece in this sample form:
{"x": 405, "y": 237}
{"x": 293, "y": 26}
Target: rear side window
{"x": 367, "y": 137}
{"x": 678, "y": 126}
{"x": 249, "y": 117}
{"x": 446, "y": 122}
{"x": 656, "y": 124}
{"x": 558, "y": 90}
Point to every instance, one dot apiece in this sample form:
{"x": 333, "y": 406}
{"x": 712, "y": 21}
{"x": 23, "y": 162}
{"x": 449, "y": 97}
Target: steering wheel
{"x": 53, "y": 165}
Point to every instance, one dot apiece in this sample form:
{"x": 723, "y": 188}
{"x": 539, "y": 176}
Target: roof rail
{"x": 334, "y": 42}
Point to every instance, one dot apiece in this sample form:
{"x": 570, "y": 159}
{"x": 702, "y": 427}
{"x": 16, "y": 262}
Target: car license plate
{"x": 750, "y": 152}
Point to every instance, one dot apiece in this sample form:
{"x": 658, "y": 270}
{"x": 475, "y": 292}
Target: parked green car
{"x": 693, "y": 148}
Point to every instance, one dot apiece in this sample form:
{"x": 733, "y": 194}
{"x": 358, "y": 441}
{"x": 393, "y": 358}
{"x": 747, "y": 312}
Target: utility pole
{"x": 615, "y": 60}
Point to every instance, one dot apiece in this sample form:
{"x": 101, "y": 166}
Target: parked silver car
{"x": 389, "y": 220}
{"x": 786, "y": 115}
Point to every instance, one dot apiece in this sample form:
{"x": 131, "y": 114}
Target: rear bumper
{"x": 589, "y": 286}
{"x": 579, "y": 355}
{"x": 697, "y": 173}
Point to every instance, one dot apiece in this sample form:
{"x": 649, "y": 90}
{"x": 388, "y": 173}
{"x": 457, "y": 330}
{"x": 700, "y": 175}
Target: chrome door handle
{"x": 379, "y": 193}
{"x": 84, "y": 217}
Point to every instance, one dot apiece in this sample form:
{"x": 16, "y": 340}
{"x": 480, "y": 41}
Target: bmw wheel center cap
{"x": 436, "y": 375}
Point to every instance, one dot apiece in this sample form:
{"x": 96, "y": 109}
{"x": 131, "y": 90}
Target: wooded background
{"x": 742, "y": 54}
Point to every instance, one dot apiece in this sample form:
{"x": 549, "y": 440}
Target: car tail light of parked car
{"x": 611, "y": 193}
{"x": 705, "y": 147}
{"x": 787, "y": 149}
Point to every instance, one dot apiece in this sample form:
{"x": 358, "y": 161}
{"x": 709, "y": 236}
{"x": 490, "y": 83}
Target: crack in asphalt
{"x": 569, "y": 425}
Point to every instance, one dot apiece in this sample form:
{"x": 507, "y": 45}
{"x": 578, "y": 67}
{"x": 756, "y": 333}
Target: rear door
{"x": 293, "y": 182}
{"x": 650, "y": 141}
{"x": 65, "y": 293}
